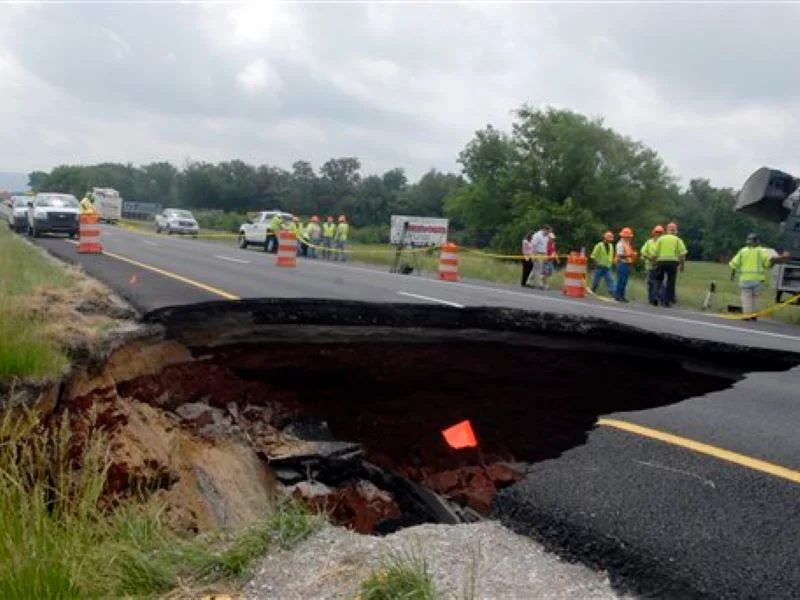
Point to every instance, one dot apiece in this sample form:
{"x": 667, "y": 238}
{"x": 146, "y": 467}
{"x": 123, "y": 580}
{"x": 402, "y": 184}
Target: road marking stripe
{"x": 546, "y": 298}
{"x": 175, "y": 276}
{"x": 149, "y": 243}
{"x": 231, "y": 259}
{"x": 428, "y": 298}
{"x": 726, "y": 455}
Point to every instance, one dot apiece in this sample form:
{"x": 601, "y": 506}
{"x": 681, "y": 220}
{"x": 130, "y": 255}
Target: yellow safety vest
{"x": 85, "y": 207}
{"x": 647, "y": 252}
{"x": 669, "y": 248}
{"x": 752, "y": 263}
{"x": 603, "y": 256}
{"x": 342, "y": 231}
{"x": 329, "y": 230}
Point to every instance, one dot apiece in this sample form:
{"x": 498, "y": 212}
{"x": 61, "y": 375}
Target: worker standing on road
{"x": 273, "y": 227}
{"x": 625, "y": 259}
{"x": 313, "y": 236}
{"x": 328, "y": 233}
{"x": 752, "y": 263}
{"x": 648, "y": 255}
{"x": 539, "y": 247}
{"x": 341, "y": 235}
{"x": 85, "y": 206}
{"x": 669, "y": 253}
{"x": 603, "y": 258}
{"x": 549, "y": 266}
{"x": 297, "y": 229}
{"x": 527, "y": 258}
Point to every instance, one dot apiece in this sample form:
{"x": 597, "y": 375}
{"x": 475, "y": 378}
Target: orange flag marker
{"x": 460, "y": 435}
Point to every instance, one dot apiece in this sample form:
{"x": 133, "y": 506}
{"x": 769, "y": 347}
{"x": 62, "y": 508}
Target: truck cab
{"x": 773, "y": 195}
{"x": 254, "y": 232}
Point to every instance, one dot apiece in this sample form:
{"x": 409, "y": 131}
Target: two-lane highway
{"x": 701, "y": 496}
{"x": 212, "y": 270}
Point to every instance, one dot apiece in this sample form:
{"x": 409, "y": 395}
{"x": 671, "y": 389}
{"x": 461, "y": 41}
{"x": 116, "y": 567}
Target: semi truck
{"x": 107, "y": 203}
{"x": 774, "y": 196}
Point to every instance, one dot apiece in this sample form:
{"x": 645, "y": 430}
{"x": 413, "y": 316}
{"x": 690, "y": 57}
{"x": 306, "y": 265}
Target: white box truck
{"x": 107, "y": 203}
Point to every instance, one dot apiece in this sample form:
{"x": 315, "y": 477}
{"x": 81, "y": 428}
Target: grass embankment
{"x": 27, "y": 349}
{"x": 57, "y": 540}
{"x": 402, "y": 575}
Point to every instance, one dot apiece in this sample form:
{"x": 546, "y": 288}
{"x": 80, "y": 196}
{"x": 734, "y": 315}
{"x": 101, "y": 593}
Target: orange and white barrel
{"x": 448, "y": 262}
{"x": 89, "y": 234}
{"x": 287, "y": 249}
{"x": 575, "y": 276}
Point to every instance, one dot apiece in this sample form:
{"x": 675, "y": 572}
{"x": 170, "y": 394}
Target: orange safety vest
{"x": 629, "y": 256}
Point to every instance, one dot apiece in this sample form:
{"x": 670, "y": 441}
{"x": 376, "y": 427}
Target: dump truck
{"x": 774, "y": 196}
{"x": 107, "y": 203}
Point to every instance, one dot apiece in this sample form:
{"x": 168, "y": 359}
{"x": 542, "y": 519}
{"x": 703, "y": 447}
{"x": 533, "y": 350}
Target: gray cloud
{"x": 709, "y": 87}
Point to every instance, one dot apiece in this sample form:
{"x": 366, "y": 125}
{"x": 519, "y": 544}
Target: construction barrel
{"x": 89, "y": 234}
{"x": 448, "y": 262}
{"x": 287, "y": 249}
{"x": 575, "y": 276}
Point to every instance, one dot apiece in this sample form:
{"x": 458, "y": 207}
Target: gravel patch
{"x": 502, "y": 564}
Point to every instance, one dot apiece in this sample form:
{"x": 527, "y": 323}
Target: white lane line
{"x": 149, "y": 243}
{"x": 231, "y": 259}
{"x": 429, "y": 299}
{"x": 577, "y": 303}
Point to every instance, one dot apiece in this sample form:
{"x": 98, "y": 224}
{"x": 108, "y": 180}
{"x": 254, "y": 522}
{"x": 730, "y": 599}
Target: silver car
{"x": 177, "y": 220}
{"x": 18, "y": 213}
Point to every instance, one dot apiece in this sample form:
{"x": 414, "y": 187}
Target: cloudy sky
{"x": 713, "y": 88}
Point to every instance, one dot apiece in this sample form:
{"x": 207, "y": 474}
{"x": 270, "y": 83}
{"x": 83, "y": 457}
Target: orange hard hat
{"x": 626, "y": 232}
{"x": 658, "y": 229}
{"x": 672, "y": 228}
{"x": 342, "y": 219}
{"x": 315, "y": 219}
{"x": 608, "y": 236}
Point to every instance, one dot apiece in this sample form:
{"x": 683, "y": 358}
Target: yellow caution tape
{"x": 761, "y": 313}
{"x": 513, "y": 256}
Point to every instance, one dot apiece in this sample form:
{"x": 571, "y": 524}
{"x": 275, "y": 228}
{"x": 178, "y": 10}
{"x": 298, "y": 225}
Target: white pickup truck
{"x": 254, "y": 233}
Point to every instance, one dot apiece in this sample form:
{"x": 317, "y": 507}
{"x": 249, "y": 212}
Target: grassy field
{"x": 692, "y": 284}
{"x": 58, "y": 541}
{"x": 26, "y": 349}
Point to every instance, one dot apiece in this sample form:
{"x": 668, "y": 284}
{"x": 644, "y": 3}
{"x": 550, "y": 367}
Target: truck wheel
{"x": 242, "y": 241}
{"x": 778, "y": 297}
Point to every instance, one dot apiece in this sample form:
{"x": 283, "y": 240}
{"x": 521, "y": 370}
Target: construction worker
{"x": 273, "y": 227}
{"x": 340, "y": 237}
{"x": 539, "y": 246}
{"x": 603, "y": 258}
{"x": 313, "y": 236}
{"x": 647, "y": 254}
{"x": 86, "y": 206}
{"x": 669, "y": 253}
{"x": 625, "y": 259}
{"x": 752, "y": 263}
{"x": 297, "y": 229}
{"x": 328, "y": 233}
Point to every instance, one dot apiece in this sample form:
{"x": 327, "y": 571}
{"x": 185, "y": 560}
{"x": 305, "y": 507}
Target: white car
{"x": 18, "y": 213}
{"x": 177, "y": 220}
{"x": 254, "y": 233}
{"x": 53, "y": 213}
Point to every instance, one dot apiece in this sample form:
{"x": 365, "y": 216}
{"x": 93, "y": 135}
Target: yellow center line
{"x": 726, "y": 455}
{"x": 181, "y": 278}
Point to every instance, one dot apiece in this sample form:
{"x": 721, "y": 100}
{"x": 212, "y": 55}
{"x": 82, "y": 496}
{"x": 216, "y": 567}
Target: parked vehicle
{"x": 53, "y": 213}
{"x": 107, "y": 203}
{"x": 18, "y": 213}
{"x": 254, "y": 233}
{"x": 177, "y": 220}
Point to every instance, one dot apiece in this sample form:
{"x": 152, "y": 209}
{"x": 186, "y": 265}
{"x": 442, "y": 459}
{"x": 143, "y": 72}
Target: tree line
{"x": 554, "y": 166}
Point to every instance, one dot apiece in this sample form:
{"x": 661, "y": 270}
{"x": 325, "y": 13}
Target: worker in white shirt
{"x": 539, "y": 248}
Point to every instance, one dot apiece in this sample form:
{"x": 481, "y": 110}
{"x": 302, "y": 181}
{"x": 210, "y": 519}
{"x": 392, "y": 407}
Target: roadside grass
{"x": 26, "y": 349}
{"x": 402, "y": 574}
{"x": 692, "y": 284}
{"x": 58, "y": 539}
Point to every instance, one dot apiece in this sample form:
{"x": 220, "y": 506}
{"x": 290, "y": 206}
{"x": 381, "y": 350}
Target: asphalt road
{"x": 702, "y": 502}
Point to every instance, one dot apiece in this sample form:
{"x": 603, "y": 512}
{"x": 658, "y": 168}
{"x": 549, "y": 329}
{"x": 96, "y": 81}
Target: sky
{"x": 712, "y": 88}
